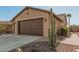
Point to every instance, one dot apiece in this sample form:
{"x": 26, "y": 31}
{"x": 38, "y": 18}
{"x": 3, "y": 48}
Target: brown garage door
{"x": 31, "y": 27}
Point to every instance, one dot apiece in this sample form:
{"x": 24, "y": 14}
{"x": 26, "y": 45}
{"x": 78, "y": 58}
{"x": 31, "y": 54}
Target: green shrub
{"x": 63, "y": 31}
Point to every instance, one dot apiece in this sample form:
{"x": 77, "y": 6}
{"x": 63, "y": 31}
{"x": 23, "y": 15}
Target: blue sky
{"x": 8, "y": 12}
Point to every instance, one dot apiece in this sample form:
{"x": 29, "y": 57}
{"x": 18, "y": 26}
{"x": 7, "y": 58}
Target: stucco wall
{"x": 58, "y": 23}
{"x": 64, "y": 19}
{"x": 33, "y": 14}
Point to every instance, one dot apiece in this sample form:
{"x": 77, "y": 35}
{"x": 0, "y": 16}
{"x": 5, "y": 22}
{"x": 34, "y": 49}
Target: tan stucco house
{"x": 33, "y": 21}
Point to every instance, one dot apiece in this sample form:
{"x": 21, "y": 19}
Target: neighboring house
{"x": 33, "y": 21}
{"x": 5, "y": 27}
{"x": 64, "y": 19}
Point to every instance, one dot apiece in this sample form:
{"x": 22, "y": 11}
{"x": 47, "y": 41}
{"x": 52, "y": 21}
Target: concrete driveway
{"x": 11, "y": 41}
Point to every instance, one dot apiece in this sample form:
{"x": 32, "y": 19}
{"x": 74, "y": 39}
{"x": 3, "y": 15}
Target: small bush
{"x": 63, "y": 31}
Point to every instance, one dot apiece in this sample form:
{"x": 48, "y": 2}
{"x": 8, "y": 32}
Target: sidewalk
{"x": 73, "y": 40}
{"x": 69, "y": 44}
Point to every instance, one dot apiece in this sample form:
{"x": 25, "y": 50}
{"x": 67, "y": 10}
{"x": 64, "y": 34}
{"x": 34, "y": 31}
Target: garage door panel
{"x": 31, "y": 27}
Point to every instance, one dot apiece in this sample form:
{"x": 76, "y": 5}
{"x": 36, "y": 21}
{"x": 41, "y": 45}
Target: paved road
{"x": 11, "y": 41}
{"x": 74, "y": 40}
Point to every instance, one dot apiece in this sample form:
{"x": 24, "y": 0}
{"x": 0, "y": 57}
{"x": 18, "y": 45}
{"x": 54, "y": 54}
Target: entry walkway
{"x": 73, "y": 40}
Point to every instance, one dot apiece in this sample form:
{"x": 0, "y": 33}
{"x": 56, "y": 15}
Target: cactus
{"x": 52, "y": 32}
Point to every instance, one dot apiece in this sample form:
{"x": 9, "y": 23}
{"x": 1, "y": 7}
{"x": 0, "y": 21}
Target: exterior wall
{"x": 33, "y": 14}
{"x": 12, "y": 27}
{"x": 64, "y": 19}
{"x": 16, "y": 28}
{"x": 58, "y": 24}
